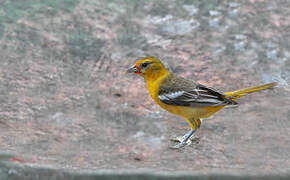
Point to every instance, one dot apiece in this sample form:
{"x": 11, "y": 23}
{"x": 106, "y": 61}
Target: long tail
{"x": 242, "y": 92}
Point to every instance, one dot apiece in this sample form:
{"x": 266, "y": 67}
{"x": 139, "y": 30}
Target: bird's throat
{"x": 153, "y": 83}
{"x": 153, "y": 76}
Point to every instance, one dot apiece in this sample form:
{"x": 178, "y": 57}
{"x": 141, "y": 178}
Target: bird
{"x": 185, "y": 98}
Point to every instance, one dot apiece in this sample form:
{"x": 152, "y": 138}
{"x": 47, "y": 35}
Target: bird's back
{"x": 186, "y": 98}
{"x": 176, "y": 90}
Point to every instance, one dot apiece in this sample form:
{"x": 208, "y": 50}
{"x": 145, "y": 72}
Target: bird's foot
{"x": 178, "y": 138}
{"x": 183, "y": 140}
{"x": 180, "y": 145}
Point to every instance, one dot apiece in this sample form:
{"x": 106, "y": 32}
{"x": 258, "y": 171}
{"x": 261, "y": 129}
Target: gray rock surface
{"x": 65, "y": 101}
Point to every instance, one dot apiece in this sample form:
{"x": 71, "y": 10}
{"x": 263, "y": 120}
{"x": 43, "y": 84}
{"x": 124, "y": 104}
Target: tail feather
{"x": 233, "y": 95}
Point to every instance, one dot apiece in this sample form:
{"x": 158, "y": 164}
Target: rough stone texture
{"x": 31, "y": 172}
{"x": 66, "y": 102}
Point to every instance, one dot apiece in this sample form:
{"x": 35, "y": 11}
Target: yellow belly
{"x": 191, "y": 112}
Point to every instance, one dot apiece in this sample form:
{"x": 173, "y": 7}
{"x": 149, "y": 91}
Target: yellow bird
{"x": 183, "y": 97}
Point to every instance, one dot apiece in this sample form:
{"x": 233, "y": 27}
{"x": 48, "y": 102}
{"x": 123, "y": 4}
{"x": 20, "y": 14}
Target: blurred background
{"x": 66, "y": 101}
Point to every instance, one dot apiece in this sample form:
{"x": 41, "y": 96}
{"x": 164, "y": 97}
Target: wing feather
{"x": 182, "y": 92}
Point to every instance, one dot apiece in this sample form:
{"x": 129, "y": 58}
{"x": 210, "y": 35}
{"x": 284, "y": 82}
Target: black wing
{"x": 187, "y": 93}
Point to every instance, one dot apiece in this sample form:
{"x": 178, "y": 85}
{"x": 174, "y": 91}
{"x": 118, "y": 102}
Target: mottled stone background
{"x": 66, "y": 102}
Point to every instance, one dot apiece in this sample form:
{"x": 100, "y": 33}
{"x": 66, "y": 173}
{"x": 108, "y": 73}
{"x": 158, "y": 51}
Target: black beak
{"x": 133, "y": 69}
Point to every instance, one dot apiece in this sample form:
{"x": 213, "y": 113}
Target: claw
{"x": 179, "y": 145}
{"x": 177, "y": 138}
{"x": 183, "y": 140}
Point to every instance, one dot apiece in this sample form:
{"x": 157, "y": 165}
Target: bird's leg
{"x": 183, "y": 140}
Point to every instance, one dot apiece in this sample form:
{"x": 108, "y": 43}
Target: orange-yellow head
{"x": 149, "y": 68}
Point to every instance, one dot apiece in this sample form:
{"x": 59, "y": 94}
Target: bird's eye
{"x": 145, "y": 64}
